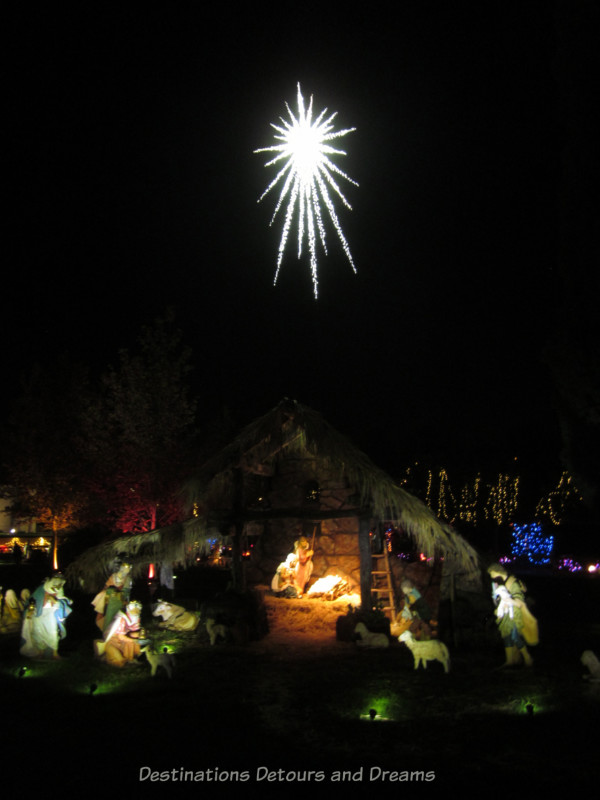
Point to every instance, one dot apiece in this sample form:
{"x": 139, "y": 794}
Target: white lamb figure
{"x": 430, "y": 650}
{"x": 367, "y": 638}
{"x": 506, "y": 604}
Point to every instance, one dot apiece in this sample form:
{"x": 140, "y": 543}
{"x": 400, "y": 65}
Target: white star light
{"x": 307, "y": 177}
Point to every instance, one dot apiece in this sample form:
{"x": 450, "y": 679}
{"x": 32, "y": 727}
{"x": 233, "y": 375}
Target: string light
{"x": 503, "y": 499}
{"x": 428, "y": 496}
{"x": 446, "y": 501}
{"x": 469, "y": 499}
{"x": 556, "y": 503}
{"x": 477, "y": 501}
{"x": 528, "y": 541}
{"x": 569, "y": 564}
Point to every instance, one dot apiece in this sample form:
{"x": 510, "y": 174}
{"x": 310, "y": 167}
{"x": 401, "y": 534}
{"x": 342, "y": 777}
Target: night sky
{"x": 133, "y": 186}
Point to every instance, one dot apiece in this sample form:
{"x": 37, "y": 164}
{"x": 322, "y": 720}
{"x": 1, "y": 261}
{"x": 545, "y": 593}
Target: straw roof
{"x": 288, "y": 429}
{"x": 172, "y": 545}
{"x": 291, "y": 428}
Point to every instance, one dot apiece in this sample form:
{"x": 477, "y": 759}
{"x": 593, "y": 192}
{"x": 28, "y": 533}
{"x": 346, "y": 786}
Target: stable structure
{"x": 286, "y": 475}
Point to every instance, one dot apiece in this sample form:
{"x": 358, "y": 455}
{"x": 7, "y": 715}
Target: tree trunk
{"x": 237, "y": 567}
{"x": 54, "y": 547}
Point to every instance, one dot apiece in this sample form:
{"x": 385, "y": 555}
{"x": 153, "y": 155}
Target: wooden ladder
{"x": 382, "y": 583}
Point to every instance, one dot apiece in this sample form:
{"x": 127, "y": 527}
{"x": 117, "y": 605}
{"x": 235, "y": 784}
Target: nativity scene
{"x": 306, "y": 516}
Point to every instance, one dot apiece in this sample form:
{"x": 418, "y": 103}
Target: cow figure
{"x": 175, "y": 618}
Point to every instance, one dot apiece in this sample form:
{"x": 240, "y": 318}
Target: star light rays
{"x": 308, "y": 181}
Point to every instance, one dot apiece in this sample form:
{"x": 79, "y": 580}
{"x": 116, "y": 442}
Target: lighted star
{"x": 307, "y": 180}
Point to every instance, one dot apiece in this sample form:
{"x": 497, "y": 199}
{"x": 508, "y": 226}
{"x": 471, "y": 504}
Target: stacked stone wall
{"x": 336, "y": 541}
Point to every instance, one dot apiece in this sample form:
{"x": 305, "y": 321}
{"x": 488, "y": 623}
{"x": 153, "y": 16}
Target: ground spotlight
{"x": 21, "y": 672}
{"x": 529, "y": 709}
{"x": 373, "y": 715}
{"x": 93, "y": 688}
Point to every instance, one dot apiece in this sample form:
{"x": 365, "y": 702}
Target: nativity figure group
{"x": 292, "y": 575}
{"x": 42, "y": 615}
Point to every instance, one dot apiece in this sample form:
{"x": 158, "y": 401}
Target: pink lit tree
{"x": 140, "y": 435}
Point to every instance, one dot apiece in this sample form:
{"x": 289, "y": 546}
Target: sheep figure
{"x": 590, "y": 660}
{"x": 430, "y": 650}
{"x": 367, "y": 639}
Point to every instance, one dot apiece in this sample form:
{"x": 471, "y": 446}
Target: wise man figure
{"x": 113, "y": 597}
{"x": 124, "y": 637}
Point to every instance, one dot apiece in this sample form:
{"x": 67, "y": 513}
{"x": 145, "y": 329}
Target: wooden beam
{"x": 256, "y": 515}
{"x": 237, "y": 567}
{"x": 366, "y": 561}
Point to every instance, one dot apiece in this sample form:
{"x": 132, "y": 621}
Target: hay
{"x": 304, "y": 621}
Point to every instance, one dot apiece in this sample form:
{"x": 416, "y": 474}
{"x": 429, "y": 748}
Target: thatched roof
{"x": 172, "y": 545}
{"x": 293, "y": 428}
{"x": 289, "y": 428}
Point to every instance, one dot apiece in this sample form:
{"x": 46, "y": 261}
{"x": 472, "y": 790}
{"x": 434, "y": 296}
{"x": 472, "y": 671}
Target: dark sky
{"x": 133, "y": 186}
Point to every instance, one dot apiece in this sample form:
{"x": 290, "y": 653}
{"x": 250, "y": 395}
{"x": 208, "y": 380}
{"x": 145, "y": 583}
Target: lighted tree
{"x": 40, "y": 448}
{"x": 530, "y": 543}
{"x": 446, "y": 501}
{"x": 140, "y": 431}
{"x": 555, "y": 505}
{"x": 469, "y": 501}
{"x": 503, "y": 499}
{"x": 472, "y": 504}
{"x": 60, "y": 516}
{"x": 496, "y": 502}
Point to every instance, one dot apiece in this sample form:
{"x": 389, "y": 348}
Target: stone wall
{"x": 336, "y": 549}
{"x": 336, "y": 540}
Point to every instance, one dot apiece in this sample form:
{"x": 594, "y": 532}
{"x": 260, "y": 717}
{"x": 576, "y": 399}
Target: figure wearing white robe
{"x": 43, "y": 622}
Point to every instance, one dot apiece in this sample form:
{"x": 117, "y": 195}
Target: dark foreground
{"x": 247, "y": 718}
